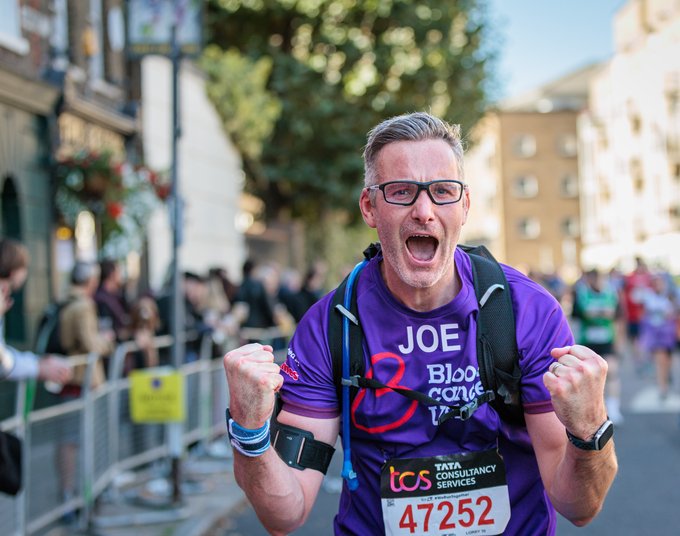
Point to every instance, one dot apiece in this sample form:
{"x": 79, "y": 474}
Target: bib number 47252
{"x": 461, "y": 494}
{"x": 447, "y": 515}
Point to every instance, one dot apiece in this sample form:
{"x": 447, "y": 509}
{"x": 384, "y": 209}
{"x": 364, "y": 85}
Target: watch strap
{"x": 599, "y": 439}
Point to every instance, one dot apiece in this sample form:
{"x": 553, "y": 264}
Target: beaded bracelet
{"x": 248, "y": 442}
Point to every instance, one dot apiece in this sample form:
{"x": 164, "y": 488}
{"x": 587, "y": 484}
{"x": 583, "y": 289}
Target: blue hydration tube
{"x": 348, "y": 473}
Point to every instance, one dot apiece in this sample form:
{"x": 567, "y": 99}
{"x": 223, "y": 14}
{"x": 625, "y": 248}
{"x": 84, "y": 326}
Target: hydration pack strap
{"x": 464, "y": 412}
{"x": 348, "y": 472}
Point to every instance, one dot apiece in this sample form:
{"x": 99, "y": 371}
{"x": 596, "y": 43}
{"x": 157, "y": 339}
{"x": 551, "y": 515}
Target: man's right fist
{"x": 253, "y": 380}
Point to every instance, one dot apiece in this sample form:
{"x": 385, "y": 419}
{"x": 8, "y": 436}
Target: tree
{"x": 338, "y": 67}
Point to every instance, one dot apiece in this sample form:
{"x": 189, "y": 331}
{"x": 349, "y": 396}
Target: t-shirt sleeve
{"x": 308, "y": 387}
{"x": 540, "y": 326}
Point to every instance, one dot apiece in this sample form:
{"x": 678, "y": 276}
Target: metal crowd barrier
{"x": 97, "y": 428}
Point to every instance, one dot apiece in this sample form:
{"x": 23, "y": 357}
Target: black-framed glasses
{"x": 405, "y": 193}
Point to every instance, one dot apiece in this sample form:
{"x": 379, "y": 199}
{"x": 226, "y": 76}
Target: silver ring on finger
{"x": 553, "y": 368}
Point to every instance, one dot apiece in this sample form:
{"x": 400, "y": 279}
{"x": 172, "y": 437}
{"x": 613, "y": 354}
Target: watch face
{"x": 604, "y": 434}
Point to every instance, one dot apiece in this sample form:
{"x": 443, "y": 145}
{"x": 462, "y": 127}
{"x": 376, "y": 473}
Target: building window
{"x": 635, "y": 123}
{"x": 567, "y": 145}
{"x": 524, "y": 146}
{"x": 59, "y": 39}
{"x": 93, "y": 41}
{"x": 10, "y": 28}
{"x": 569, "y": 186}
{"x": 529, "y": 228}
{"x": 570, "y": 227}
{"x": 674, "y": 213}
{"x": 525, "y": 186}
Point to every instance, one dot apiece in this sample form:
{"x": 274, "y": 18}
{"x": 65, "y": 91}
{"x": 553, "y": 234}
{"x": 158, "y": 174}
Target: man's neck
{"x": 422, "y": 299}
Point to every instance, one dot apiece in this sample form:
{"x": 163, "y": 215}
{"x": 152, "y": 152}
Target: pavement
{"x": 140, "y": 503}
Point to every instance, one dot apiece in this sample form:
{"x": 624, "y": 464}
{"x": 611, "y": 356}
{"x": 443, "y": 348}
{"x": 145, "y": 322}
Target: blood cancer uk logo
{"x": 394, "y": 420}
{"x": 285, "y": 368}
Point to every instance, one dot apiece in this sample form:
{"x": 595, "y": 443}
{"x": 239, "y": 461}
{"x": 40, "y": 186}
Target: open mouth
{"x": 422, "y": 247}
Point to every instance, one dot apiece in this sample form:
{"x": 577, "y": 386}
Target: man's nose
{"x": 423, "y": 207}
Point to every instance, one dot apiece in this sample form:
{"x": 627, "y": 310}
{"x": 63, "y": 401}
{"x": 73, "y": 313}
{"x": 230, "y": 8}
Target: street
{"x": 642, "y": 500}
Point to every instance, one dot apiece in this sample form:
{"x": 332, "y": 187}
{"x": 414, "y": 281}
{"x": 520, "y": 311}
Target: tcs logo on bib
{"x": 408, "y": 481}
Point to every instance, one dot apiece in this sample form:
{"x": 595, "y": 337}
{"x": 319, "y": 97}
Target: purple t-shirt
{"x": 435, "y": 353}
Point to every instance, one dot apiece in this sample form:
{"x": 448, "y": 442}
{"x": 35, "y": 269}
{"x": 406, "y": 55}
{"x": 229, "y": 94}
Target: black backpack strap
{"x": 356, "y": 334}
{"x": 496, "y": 340}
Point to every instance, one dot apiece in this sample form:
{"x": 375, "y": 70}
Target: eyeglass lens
{"x": 405, "y": 193}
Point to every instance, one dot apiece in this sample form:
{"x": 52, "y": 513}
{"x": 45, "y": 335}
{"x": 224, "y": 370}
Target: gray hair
{"x": 415, "y": 126}
{"x": 83, "y": 271}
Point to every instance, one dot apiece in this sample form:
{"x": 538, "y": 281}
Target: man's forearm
{"x": 272, "y": 489}
{"x": 582, "y": 481}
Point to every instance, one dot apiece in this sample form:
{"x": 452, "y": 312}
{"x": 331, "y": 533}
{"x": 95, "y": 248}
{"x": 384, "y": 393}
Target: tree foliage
{"x": 338, "y": 67}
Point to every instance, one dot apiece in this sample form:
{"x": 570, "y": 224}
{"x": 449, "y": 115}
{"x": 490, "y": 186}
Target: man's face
{"x": 17, "y": 278}
{"x": 418, "y": 241}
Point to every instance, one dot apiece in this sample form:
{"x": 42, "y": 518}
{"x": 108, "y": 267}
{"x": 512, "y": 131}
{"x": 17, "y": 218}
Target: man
{"x": 417, "y": 307}
{"x": 15, "y": 364}
{"x": 79, "y": 329}
{"x": 253, "y": 293}
{"x": 596, "y": 306}
{"x": 195, "y": 291}
{"x": 80, "y": 335}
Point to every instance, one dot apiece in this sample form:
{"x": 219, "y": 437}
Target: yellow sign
{"x": 157, "y": 395}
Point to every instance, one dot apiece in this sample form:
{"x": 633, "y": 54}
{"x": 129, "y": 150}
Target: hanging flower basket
{"x": 122, "y": 198}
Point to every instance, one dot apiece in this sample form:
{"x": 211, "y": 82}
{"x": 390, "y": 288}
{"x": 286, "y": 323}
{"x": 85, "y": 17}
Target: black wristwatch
{"x": 599, "y": 440}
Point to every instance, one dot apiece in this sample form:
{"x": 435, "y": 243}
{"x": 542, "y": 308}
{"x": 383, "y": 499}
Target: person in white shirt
{"x": 15, "y": 364}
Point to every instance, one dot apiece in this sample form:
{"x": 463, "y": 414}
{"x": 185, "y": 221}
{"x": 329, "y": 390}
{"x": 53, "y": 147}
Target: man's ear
{"x": 367, "y": 208}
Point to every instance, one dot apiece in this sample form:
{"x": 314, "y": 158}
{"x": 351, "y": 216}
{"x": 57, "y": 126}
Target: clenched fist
{"x": 576, "y": 384}
{"x": 253, "y": 380}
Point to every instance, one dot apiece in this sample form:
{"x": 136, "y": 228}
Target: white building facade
{"x": 210, "y": 175}
{"x": 630, "y": 144}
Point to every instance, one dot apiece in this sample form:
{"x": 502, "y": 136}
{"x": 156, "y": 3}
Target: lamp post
{"x": 175, "y": 429}
{"x": 171, "y": 28}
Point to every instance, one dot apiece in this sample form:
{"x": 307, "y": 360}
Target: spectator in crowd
{"x": 216, "y": 312}
{"x": 79, "y": 330}
{"x": 312, "y": 286}
{"x": 658, "y": 330}
{"x": 269, "y": 276}
{"x": 195, "y": 292}
{"x": 15, "y": 364}
{"x": 230, "y": 289}
{"x": 112, "y": 310}
{"x": 217, "y": 303}
{"x": 80, "y": 335}
{"x": 144, "y": 324}
{"x": 290, "y": 293}
{"x": 259, "y": 309}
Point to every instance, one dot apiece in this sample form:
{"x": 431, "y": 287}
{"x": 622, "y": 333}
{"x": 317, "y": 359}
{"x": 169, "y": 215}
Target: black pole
{"x": 175, "y": 429}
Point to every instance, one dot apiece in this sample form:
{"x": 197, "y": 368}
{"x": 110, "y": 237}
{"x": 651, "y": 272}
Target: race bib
{"x": 598, "y": 335}
{"x": 455, "y": 495}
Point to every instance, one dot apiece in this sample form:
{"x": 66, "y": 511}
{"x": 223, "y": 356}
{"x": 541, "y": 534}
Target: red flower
{"x": 114, "y": 209}
{"x": 162, "y": 191}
